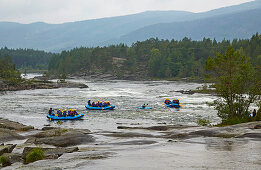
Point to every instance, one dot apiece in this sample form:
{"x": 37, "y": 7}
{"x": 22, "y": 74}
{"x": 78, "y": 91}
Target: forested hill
{"x": 239, "y": 21}
{"x": 152, "y": 58}
{"x": 237, "y": 25}
{"x": 27, "y": 58}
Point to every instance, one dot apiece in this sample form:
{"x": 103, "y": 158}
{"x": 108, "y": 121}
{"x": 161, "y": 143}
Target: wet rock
{"x": 8, "y": 124}
{"x": 127, "y": 135}
{"x": 157, "y": 128}
{"x": 251, "y": 135}
{"x": 175, "y": 136}
{"x": 135, "y": 142}
{"x": 213, "y": 133}
{"x": 257, "y": 127}
{"x": 7, "y": 135}
{"x": 49, "y": 128}
{"x": 51, "y": 153}
{"x": 6, "y": 148}
{"x": 62, "y": 137}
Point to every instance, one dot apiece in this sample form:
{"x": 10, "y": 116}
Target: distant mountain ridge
{"x": 239, "y": 21}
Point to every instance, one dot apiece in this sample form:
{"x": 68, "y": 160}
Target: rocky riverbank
{"x": 40, "y": 84}
{"x": 56, "y": 141}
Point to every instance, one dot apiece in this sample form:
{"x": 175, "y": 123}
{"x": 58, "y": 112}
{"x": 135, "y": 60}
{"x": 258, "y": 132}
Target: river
{"x": 31, "y": 106}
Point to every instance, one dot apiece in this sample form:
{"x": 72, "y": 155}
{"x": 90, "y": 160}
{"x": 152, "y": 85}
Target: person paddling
{"x": 50, "y": 112}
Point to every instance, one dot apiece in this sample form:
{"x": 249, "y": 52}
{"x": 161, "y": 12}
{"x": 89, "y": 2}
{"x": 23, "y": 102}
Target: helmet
{"x": 59, "y": 109}
{"x": 65, "y": 109}
{"x": 70, "y": 109}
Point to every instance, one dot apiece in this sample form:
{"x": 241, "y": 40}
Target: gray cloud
{"x": 59, "y": 11}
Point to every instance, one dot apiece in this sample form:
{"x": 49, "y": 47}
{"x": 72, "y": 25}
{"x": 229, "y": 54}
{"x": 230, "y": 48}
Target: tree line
{"x": 28, "y": 58}
{"x": 8, "y": 73}
{"x": 152, "y": 58}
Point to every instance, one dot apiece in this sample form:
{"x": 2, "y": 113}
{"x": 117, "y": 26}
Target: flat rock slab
{"x": 256, "y": 136}
{"x": 8, "y": 135}
{"x": 62, "y": 137}
{"x": 135, "y": 142}
{"x": 8, "y": 124}
{"x": 157, "y": 128}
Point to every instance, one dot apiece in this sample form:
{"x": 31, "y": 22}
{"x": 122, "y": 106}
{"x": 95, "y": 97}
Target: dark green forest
{"x": 8, "y": 73}
{"x": 152, "y": 58}
{"x": 27, "y": 58}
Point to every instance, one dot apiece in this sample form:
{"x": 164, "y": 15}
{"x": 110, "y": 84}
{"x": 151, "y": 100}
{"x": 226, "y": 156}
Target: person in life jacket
{"x": 89, "y": 102}
{"x": 59, "y": 113}
{"x": 167, "y": 101}
{"x": 93, "y": 104}
{"x": 64, "y": 112}
{"x": 108, "y": 103}
{"x": 70, "y": 113}
{"x": 75, "y": 112}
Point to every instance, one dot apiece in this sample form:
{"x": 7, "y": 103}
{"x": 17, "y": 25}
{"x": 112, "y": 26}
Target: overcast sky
{"x": 59, "y": 11}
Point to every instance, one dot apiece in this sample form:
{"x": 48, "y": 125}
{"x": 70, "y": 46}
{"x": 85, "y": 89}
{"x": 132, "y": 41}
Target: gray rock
{"x": 51, "y": 153}
{"x": 62, "y": 137}
{"x": 7, "y": 135}
{"x": 8, "y": 124}
{"x": 257, "y": 127}
{"x": 13, "y": 157}
{"x": 6, "y": 148}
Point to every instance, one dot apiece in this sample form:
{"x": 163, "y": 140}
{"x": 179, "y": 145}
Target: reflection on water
{"x": 224, "y": 144}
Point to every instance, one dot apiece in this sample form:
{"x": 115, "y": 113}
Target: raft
{"x": 144, "y": 108}
{"x": 173, "y": 105}
{"x": 76, "y": 117}
{"x": 111, "y": 107}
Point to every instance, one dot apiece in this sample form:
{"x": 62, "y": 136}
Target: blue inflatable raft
{"x": 173, "y": 105}
{"x": 76, "y": 117}
{"x": 111, "y": 107}
{"x": 144, "y": 108}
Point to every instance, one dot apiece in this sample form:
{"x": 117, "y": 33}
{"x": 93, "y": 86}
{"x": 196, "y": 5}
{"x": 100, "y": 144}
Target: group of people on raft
{"x": 98, "y": 104}
{"x": 71, "y": 112}
{"x": 167, "y": 101}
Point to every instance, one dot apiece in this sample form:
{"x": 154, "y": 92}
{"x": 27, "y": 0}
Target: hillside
{"x": 130, "y": 28}
{"x": 237, "y": 25}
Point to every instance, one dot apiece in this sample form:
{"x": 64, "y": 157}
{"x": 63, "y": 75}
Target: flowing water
{"x": 31, "y": 106}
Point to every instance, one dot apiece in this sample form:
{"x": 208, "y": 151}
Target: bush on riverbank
{"x": 35, "y": 155}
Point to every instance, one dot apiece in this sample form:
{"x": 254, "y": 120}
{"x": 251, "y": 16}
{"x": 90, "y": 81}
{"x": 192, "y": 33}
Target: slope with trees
{"x": 153, "y": 58}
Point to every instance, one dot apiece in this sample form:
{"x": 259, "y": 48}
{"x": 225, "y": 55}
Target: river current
{"x": 31, "y": 106}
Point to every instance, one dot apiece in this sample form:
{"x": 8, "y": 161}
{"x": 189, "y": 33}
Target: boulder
{"x": 7, "y": 135}
{"x": 8, "y": 124}
{"x": 257, "y": 127}
{"x": 62, "y": 137}
{"x": 6, "y": 148}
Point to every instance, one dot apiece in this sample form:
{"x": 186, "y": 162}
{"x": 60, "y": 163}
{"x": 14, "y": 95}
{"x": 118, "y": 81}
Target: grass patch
{"x": 4, "y": 161}
{"x": 203, "y": 122}
{"x": 34, "y": 155}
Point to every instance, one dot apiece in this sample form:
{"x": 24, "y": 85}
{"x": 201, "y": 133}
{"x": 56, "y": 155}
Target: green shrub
{"x": 34, "y": 155}
{"x": 203, "y": 122}
{"x": 4, "y": 161}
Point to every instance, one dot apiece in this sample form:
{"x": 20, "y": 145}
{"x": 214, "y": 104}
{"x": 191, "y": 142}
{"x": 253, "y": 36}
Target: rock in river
{"x": 62, "y": 137}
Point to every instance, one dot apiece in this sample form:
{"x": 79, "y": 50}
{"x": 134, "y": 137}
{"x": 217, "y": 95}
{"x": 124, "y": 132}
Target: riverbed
{"x": 31, "y": 106}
